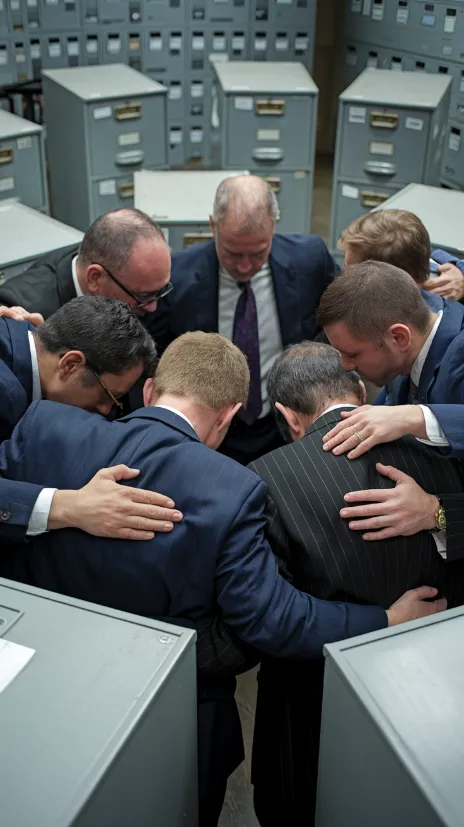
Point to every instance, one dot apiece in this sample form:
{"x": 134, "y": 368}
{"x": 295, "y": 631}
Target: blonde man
{"x": 216, "y": 563}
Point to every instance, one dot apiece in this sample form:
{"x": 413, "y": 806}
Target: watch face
{"x": 441, "y": 519}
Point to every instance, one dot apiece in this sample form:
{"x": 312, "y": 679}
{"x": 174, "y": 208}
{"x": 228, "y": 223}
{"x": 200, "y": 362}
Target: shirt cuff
{"x": 435, "y": 434}
{"x": 440, "y": 542}
{"x": 40, "y": 513}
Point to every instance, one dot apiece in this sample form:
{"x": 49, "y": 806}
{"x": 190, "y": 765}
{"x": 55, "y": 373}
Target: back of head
{"x": 105, "y": 330}
{"x": 369, "y": 298}
{"x": 396, "y": 237}
{"x": 203, "y": 367}
{"x": 110, "y": 239}
{"x": 308, "y": 378}
{"x": 246, "y": 202}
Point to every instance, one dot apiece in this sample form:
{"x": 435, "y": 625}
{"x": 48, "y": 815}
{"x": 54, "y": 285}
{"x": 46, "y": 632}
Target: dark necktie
{"x": 246, "y": 337}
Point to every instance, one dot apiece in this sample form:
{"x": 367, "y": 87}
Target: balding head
{"x": 243, "y": 222}
{"x": 128, "y": 246}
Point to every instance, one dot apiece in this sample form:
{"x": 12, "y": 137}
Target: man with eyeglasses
{"x": 123, "y": 255}
{"x": 258, "y": 288}
{"x": 88, "y": 354}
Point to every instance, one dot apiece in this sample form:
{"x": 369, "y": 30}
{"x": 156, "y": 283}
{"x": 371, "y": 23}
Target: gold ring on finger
{"x": 358, "y": 435}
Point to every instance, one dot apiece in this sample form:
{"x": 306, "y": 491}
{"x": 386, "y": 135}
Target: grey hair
{"x": 110, "y": 239}
{"x": 307, "y": 377}
{"x": 251, "y": 199}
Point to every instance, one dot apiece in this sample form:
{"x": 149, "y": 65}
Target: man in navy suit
{"x": 248, "y": 272}
{"x": 87, "y": 354}
{"x": 216, "y": 562}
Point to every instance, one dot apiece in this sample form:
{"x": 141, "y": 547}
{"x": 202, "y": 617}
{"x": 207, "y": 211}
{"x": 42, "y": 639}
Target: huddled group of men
{"x": 227, "y": 377}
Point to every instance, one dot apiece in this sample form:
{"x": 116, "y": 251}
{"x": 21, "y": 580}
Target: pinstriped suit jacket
{"x": 322, "y": 556}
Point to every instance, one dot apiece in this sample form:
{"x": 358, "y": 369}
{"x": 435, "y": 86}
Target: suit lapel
{"x": 449, "y": 327}
{"x": 206, "y": 292}
{"x": 286, "y": 293}
{"x": 64, "y": 279}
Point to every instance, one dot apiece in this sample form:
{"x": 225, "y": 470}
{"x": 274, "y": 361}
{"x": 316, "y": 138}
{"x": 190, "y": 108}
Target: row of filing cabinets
{"x": 154, "y": 51}
{"x": 388, "y": 135}
{"x": 62, "y": 15}
{"x": 431, "y": 29}
{"x": 22, "y": 162}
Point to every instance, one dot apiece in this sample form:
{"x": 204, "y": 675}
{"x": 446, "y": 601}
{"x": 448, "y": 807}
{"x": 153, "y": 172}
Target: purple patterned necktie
{"x": 246, "y": 338}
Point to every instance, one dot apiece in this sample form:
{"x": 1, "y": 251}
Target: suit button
{"x": 5, "y": 516}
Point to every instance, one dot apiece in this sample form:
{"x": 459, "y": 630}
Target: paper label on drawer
{"x": 14, "y": 5}
{"x": 3, "y": 57}
{"x": 218, "y": 57}
{"x": 238, "y": 43}
{"x": 450, "y": 24}
{"x": 301, "y": 43}
{"x": 357, "y": 114}
{"x": 260, "y": 44}
{"x": 114, "y": 46}
{"x": 13, "y": 659}
{"x": 7, "y": 184}
{"x": 73, "y": 48}
{"x": 268, "y": 135}
{"x": 455, "y": 142}
{"x": 377, "y": 13}
{"x": 175, "y": 92}
{"x": 54, "y": 49}
{"x": 175, "y": 137}
{"x": 381, "y": 148}
{"x": 372, "y": 61}
{"x": 196, "y": 135}
{"x": 197, "y": 89}
{"x": 91, "y": 47}
{"x": 219, "y": 43}
{"x": 349, "y": 192}
{"x": 156, "y": 44}
{"x": 175, "y": 43}
{"x": 35, "y": 51}
{"x": 198, "y": 43}
{"x": 351, "y": 58}
{"x": 129, "y": 138}
{"x": 299, "y": 175}
{"x": 415, "y": 123}
{"x": 243, "y": 103}
{"x": 101, "y": 112}
{"x": 107, "y": 187}
{"x": 20, "y": 57}
{"x": 24, "y": 143}
{"x": 282, "y": 44}
{"x": 402, "y": 17}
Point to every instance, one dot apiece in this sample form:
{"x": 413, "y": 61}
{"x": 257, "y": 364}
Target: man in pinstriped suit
{"x": 320, "y": 555}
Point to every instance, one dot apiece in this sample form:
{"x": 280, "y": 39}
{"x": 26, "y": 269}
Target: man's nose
{"x": 105, "y": 408}
{"x": 150, "y": 308}
{"x": 244, "y": 265}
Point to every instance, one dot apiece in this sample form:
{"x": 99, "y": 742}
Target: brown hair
{"x": 395, "y": 236}
{"x": 205, "y": 367}
{"x": 371, "y": 297}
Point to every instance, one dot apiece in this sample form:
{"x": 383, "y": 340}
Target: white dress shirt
{"x": 41, "y": 511}
{"x": 270, "y": 339}
{"x": 77, "y": 286}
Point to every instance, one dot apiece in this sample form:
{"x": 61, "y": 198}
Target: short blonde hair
{"x": 205, "y": 367}
{"x": 395, "y": 237}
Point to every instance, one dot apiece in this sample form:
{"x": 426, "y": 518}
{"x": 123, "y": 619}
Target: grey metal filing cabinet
{"x": 22, "y": 161}
{"x": 453, "y": 161}
{"x": 388, "y": 134}
{"x": 180, "y": 202}
{"x": 109, "y": 121}
{"x": 99, "y": 726}
{"x": 272, "y": 107}
{"x": 294, "y": 192}
{"x": 27, "y": 234}
{"x": 392, "y": 738}
{"x": 440, "y": 210}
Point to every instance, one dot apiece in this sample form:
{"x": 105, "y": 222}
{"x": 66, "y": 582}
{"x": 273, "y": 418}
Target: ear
{"x": 212, "y": 225}
{"x": 226, "y": 416}
{"x": 363, "y": 392}
{"x": 71, "y": 362}
{"x": 400, "y": 335}
{"x": 93, "y": 276}
{"x": 291, "y": 417}
{"x": 148, "y": 393}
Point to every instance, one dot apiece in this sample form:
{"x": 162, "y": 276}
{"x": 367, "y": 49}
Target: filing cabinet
{"x": 110, "y": 12}
{"x": 114, "y": 45}
{"x": 59, "y": 15}
{"x": 440, "y": 210}
{"x": 164, "y": 50}
{"x": 8, "y": 71}
{"x": 180, "y": 202}
{"x": 98, "y": 711}
{"x": 453, "y": 161}
{"x": 392, "y": 730}
{"x": 272, "y": 107}
{"x": 218, "y": 11}
{"x": 4, "y": 20}
{"x": 294, "y": 191}
{"x": 297, "y": 13}
{"x": 288, "y": 43}
{"x": 22, "y": 161}
{"x": 176, "y": 139}
{"x": 27, "y": 234}
{"x": 351, "y": 200}
{"x": 165, "y": 12}
{"x": 220, "y": 43}
{"x": 111, "y": 120}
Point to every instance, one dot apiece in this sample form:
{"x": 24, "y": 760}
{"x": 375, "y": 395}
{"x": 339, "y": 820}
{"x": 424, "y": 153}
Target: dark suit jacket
{"x": 323, "y": 556}
{"x": 217, "y": 556}
{"x": 45, "y": 286}
{"x": 441, "y": 384}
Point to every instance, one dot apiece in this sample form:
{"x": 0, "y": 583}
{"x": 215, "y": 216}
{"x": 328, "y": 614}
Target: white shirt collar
{"x": 77, "y": 286}
{"x": 334, "y": 408}
{"x": 175, "y": 411}
{"x": 224, "y": 276}
{"x": 36, "y": 388}
{"x": 418, "y": 365}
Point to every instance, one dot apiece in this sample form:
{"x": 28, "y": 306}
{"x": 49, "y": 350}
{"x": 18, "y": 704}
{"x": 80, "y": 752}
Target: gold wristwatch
{"x": 440, "y": 518}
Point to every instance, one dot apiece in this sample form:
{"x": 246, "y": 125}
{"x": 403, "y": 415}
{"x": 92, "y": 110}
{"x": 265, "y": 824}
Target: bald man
{"x": 123, "y": 256}
{"x": 258, "y": 288}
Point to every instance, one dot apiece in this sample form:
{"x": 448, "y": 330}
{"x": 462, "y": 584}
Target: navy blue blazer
{"x": 441, "y": 384}
{"x": 217, "y": 557}
{"x": 17, "y": 499}
{"x": 301, "y": 268}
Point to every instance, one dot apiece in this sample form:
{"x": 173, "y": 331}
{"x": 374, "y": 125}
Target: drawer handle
{"x": 270, "y": 106}
{"x": 373, "y": 199}
{"x": 268, "y": 153}
{"x": 196, "y": 238}
{"x": 126, "y": 190}
{"x": 6, "y": 155}
{"x": 129, "y": 159}
{"x": 274, "y": 184}
{"x": 380, "y": 168}
{"x": 128, "y": 111}
{"x": 2, "y": 277}
{"x": 384, "y": 120}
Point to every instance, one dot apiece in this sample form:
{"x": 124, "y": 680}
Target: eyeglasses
{"x": 142, "y": 299}
{"x": 118, "y": 408}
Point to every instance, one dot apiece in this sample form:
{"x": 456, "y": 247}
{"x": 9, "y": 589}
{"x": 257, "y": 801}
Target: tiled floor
{"x": 238, "y": 808}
